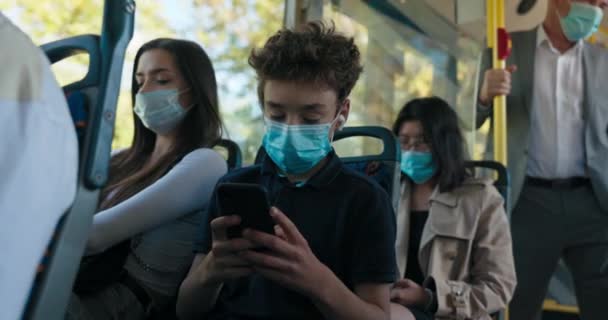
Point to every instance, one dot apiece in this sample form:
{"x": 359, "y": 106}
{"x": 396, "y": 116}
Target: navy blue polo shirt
{"x": 347, "y": 220}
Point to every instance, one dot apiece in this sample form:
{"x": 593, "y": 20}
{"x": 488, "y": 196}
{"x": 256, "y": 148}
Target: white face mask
{"x": 160, "y": 110}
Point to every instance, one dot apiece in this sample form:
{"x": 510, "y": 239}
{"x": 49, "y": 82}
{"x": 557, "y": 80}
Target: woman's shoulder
{"x": 204, "y": 153}
{"x": 477, "y": 182}
{"x": 481, "y": 190}
{"x": 474, "y": 201}
{"x": 204, "y": 158}
{"x": 476, "y": 185}
{"x": 478, "y": 200}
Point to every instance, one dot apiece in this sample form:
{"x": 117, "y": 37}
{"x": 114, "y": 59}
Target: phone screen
{"x": 250, "y": 202}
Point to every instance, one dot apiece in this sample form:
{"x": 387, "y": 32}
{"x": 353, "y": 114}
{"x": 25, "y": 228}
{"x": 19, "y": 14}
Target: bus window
{"x": 403, "y": 59}
{"x": 74, "y": 19}
{"x": 227, "y": 31}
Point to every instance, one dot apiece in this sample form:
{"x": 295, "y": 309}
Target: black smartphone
{"x": 250, "y": 202}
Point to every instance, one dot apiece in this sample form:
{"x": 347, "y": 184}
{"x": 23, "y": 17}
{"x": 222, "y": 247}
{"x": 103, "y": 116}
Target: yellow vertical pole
{"x": 495, "y": 21}
{"x": 491, "y": 24}
{"x": 500, "y": 111}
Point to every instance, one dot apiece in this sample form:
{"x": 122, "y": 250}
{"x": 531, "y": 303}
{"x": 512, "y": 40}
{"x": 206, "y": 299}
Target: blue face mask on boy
{"x": 582, "y": 21}
{"x": 296, "y": 149}
{"x": 419, "y": 166}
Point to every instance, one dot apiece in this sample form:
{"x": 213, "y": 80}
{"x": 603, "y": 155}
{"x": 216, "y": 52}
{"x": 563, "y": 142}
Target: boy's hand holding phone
{"x": 223, "y": 261}
{"x": 248, "y": 201}
{"x": 270, "y": 244}
{"x": 288, "y": 260}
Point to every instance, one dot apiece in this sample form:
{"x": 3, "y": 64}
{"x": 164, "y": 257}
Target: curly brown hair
{"x": 313, "y": 52}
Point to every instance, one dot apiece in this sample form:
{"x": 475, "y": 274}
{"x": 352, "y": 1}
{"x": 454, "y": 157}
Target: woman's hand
{"x": 409, "y": 294}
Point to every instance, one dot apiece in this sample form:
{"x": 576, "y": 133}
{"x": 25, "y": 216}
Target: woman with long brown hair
{"x": 158, "y": 187}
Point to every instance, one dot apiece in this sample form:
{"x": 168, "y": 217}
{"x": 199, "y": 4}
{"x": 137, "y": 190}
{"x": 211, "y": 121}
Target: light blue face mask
{"x": 296, "y": 149}
{"x": 582, "y": 21}
{"x": 160, "y": 110}
{"x": 419, "y": 166}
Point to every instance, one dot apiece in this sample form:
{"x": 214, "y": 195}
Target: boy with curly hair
{"x": 332, "y": 255}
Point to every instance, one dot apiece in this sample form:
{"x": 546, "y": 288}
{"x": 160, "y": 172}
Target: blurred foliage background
{"x": 399, "y": 63}
{"x": 227, "y": 30}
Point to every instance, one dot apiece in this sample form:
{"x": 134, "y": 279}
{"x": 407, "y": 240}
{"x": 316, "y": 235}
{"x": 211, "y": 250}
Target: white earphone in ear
{"x": 341, "y": 122}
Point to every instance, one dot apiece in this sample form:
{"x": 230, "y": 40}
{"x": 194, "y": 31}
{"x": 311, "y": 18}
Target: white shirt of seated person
{"x": 38, "y": 164}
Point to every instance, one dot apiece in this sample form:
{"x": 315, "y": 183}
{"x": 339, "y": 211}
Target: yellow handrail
{"x": 552, "y": 305}
{"x": 498, "y": 42}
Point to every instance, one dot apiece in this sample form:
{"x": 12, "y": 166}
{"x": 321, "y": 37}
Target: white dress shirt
{"x": 557, "y": 142}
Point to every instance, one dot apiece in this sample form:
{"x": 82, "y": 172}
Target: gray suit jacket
{"x": 519, "y": 103}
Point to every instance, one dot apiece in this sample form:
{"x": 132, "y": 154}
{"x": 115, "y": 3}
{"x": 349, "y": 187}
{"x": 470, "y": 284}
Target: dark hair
{"x": 314, "y": 52}
{"x": 440, "y": 130}
{"x": 202, "y": 126}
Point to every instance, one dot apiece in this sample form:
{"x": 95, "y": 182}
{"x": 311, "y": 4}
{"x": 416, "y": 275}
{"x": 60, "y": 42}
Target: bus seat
{"x": 77, "y": 103}
{"x": 383, "y": 167}
{"x": 231, "y": 151}
{"x": 502, "y": 180}
{"x": 92, "y": 103}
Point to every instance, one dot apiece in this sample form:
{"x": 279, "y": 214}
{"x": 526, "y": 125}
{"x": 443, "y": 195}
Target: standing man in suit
{"x": 557, "y": 111}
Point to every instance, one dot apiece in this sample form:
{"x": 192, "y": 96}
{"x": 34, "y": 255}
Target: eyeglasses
{"x": 412, "y": 142}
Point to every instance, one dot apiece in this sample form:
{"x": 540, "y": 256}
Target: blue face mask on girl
{"x": 296, "y": 149}
{"x": 160, "y": 110}
{"x": 419, "y": 166}
{"x": 582, "y": 21}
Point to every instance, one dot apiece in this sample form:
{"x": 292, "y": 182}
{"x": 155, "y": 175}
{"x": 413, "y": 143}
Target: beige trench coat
{"x": 465, "y": 250}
